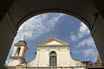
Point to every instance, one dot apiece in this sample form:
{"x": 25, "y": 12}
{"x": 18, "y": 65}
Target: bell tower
{"x": 19, "y": 52}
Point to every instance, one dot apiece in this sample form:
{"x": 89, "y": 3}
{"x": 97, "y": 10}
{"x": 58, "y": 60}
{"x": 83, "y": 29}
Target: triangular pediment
{"x": 53, "y": 42}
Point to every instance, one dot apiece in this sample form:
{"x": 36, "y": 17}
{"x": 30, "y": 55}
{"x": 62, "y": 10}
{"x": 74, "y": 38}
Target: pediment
{"x": 53, "y": 42}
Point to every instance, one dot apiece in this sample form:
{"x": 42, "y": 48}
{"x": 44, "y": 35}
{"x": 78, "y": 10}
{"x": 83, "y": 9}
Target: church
{"x": 52, "y": 53}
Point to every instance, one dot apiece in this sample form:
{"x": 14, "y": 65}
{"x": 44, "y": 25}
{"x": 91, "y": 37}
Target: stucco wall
{"x": 42, "y": 58}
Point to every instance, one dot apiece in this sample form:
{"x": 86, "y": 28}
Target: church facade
{"x": 52, "y": 53}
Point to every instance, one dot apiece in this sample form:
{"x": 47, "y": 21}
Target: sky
{"x": 62, "y": 26}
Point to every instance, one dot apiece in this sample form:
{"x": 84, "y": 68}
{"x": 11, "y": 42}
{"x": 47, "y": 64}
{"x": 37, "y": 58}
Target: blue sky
{"x": 62, "y": 26}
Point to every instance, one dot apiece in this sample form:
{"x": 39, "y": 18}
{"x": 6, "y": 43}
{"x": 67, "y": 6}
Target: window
{"x": 53, "y": 59}
{"x": 18, "y": 51}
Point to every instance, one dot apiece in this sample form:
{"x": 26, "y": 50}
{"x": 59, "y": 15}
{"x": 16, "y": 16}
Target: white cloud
{"x": 73, "y": 37}
{"x": 83, "y": 30}
{"x": 89, "y": 53}
{"x": 36, "y": 26}
{"x": 86, "y": 42}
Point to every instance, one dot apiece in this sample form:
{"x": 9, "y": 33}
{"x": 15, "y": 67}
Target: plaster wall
{"x": 42, "y": 58}
{"x": 15, "y": 62}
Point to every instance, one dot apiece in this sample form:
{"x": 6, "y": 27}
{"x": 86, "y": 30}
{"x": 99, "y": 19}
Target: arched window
{"x": 18, "y": 51}
{"x": 53, "y": 59}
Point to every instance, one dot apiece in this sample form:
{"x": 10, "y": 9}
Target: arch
{"x": 21, "y": 10}
{"x": 38, "y": 12}
{"x": 18, "y": 51}
{"x": 52, "y": 58}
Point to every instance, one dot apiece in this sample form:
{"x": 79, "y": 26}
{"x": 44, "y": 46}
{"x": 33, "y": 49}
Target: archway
{"x": 83, "y": 9}
{"x": 36, "y": 20}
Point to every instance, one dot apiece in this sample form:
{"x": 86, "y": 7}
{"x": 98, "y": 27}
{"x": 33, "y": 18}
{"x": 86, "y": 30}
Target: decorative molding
{"x": 16, "y": 57}
{"x": 44, "y": 44}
